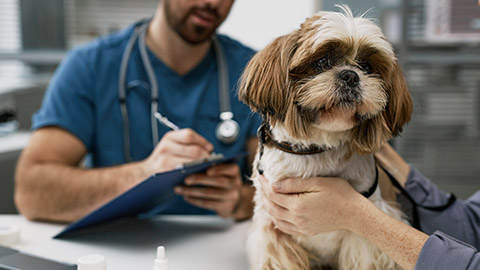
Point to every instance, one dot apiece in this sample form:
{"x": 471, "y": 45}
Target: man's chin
{"x": 199, "y": 36}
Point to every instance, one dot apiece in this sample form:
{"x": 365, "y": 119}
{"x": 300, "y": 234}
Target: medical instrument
{"x": 413, "y": 205}
{"x": 227, "y": 129}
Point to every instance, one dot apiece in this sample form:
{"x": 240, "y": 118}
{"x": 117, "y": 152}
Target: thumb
{"x": 296, "y": 185}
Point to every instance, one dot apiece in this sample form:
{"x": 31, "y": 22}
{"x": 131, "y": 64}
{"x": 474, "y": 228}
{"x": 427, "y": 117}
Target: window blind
{"x": 9, "y": 25}
{"x": 88, "y": 19}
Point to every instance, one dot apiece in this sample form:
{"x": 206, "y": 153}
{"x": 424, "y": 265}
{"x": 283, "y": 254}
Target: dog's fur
{"x": 295, "y": 83}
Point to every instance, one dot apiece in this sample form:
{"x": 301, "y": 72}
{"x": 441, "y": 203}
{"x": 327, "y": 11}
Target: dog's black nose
{"x": 350, "y": 77}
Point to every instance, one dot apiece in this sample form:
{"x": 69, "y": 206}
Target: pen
{"x": 164, "y": 121}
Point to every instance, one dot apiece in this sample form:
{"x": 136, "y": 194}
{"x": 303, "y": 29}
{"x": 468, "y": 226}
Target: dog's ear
{"x": 372, "y": 133}
{"x": 399, "y": 107}
{"x": 264, "y": 84}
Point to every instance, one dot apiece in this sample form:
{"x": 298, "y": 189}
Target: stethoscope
{"x": 227, "y": 129}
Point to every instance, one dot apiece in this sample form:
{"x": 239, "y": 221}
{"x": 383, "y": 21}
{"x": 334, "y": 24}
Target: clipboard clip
{"x": 212, "y": 158}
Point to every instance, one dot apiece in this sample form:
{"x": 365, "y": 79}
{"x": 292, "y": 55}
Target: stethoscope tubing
{"x": 226, "y": 115}
{"x": 122, "y": 93}
{"x": 153, "y": 82}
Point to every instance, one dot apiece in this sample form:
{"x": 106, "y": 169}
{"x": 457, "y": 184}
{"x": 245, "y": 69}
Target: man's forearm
{"x": 62, "y": 193}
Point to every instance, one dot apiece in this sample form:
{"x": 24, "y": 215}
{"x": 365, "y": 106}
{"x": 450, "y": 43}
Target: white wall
{"x": 257, "y": 22}
{"x": 253, "y": 22}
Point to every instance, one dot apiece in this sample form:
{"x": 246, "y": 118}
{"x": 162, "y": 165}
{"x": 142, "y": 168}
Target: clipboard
{"x": 146, "y": 196}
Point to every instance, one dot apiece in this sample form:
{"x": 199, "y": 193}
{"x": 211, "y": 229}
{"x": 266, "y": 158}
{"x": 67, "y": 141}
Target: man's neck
{"x": 175, "y": 52}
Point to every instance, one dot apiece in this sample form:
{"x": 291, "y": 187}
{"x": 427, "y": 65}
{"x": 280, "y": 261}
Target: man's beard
{"x": 192, "y": 34}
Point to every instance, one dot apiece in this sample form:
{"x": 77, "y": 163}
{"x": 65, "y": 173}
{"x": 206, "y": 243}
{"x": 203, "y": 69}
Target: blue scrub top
{"x": 82, "y": 98}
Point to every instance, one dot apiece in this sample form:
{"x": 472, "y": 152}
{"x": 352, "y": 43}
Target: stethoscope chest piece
{"x": 227, "y": 129}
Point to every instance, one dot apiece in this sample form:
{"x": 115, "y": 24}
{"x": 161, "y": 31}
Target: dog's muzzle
{"x": 348, "y": 90}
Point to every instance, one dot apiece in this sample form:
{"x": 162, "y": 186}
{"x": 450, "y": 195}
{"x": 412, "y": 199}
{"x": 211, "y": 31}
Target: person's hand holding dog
{"x": 311, "y": 206}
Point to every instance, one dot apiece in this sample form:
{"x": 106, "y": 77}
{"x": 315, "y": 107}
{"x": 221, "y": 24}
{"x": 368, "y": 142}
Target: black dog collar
{"x": 265, "y": 136}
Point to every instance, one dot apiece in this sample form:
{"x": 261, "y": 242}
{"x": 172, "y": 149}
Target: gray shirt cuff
{"x": 443, "y": 252}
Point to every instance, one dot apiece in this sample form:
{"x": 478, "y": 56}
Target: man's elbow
{"x": 26, "y": 193}
{"x": 23, "y": 206}
{"x": 29, "y": 205}
{"x": 23, "y": 198}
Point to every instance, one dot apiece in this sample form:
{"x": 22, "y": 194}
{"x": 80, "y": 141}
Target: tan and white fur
{"x": 333, "y": 82}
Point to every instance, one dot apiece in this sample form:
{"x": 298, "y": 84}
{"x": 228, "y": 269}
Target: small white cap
{"x": 92, "y": 262}
{"x": 9, "y": 235}
{"x": 161, "y": 262}
{"x": 160, "y": 252}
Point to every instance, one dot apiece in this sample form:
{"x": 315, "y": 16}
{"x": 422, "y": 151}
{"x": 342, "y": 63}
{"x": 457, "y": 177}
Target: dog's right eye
{"x": 321, "y": 64}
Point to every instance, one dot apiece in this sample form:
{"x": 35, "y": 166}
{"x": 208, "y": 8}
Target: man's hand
{"x": 176, "y": 148}
{"x": 218, "y": 189}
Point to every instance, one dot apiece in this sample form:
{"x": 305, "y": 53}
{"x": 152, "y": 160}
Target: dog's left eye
{"x": 365, "y": 67}
{"x": 321, "y": 64}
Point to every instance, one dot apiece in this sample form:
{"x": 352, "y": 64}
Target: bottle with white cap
{"x": 9, "y": 235}
{"x": 161, "y": 262}
{"x": 92, "y": 262}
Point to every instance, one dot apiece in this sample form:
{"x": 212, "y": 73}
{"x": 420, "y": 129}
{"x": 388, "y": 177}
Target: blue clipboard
{"x": 147, "y": 195}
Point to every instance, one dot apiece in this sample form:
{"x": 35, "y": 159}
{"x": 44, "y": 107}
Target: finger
{"x": 287, "y": 227}
{"x": 230, "y": 169}
{"x": 188, "y": 136}
{"x": 275, "y": 210}
{"x": 220, "y": 182}
{"x": 278, "y": 198}
{"x": 299, "y": 185}
{"x": 202, "y": 192}
{"x": 174, "y": 162}
{"x": 207, "y": 204}
{"x": 191, "y": 151}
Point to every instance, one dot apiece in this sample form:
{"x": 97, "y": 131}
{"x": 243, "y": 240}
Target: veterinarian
{"x": 450, "y": 228}
{"x": 101, "y": 104}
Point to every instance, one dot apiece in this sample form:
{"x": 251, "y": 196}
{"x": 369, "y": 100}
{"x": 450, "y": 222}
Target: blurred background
{"x": 437, "y": 42}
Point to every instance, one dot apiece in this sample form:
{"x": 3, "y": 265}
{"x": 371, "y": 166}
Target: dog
{"x": 330, "y": 94}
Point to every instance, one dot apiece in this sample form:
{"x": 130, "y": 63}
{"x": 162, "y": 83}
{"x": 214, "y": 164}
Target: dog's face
{"x": 336, "y": 73}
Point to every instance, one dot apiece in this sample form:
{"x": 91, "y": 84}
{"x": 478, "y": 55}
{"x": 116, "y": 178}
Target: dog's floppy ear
{"x": 399, "y": 107}
{"x": 372, "y": 133}
{"x": 264, "y": 84}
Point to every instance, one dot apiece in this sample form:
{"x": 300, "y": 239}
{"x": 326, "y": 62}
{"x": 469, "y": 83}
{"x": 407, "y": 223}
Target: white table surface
{"x": 14, "y": 142}
{"x": 191, "y": 242}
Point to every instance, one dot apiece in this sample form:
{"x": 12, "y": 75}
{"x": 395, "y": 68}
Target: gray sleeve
{"x": 460, "y": 220}
{"x": 442, "y": 252}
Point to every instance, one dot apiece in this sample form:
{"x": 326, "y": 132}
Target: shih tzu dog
{"x": 330, "y": 93}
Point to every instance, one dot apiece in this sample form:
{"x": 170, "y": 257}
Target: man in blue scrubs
{"x": 81, "y": 116}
